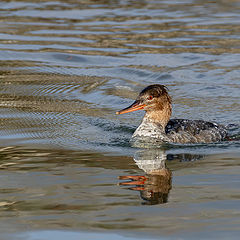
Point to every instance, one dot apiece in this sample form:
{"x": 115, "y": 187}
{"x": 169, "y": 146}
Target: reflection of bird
{"x": 154, "y": 187}
{"x": 157, "y": 126}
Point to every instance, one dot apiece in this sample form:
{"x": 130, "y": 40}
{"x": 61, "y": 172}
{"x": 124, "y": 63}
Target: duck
{"x": 157, "y": 127}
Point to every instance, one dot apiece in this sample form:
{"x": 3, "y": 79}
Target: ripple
{"x": 66, "y": 68}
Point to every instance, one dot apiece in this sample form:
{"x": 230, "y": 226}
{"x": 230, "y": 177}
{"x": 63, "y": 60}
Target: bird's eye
{"x": 150, "y": 98}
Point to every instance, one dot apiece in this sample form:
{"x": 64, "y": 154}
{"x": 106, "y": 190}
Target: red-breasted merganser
{"x": 157, "y": 126}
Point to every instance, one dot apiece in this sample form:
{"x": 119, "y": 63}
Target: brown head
{"x": 155, "y": 100}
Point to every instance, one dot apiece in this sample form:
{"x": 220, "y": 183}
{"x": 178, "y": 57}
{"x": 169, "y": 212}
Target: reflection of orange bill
{"x": 137, "y": 188}
{"x": 134, "y": 180}
{"x": 132, "y": 183}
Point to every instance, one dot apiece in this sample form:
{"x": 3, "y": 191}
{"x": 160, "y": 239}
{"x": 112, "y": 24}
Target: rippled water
{"x": 66, "y": 163}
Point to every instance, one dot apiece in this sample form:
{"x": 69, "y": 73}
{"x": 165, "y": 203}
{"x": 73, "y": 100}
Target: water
{"x": 67, "y": 168}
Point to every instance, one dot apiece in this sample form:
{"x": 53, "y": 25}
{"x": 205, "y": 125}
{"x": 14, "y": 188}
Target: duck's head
{"x": 155, "y": 100}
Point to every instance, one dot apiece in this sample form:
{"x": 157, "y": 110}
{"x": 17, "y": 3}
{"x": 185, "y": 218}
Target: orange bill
{"x": 134, "y": 107}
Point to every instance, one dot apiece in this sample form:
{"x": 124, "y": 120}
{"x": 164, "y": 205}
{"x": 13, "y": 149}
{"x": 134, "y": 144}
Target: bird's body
{"x": 157, "y": 127}
{"x": 182, "y": 131}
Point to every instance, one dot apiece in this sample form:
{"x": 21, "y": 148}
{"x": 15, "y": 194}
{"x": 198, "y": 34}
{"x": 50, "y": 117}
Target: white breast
{"x": 150, "y": 130}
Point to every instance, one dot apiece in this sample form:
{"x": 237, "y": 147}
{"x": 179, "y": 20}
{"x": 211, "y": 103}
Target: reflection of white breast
{"x": 150, "y": 160}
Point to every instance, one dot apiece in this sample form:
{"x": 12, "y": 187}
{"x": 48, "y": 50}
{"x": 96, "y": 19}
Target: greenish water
{"x": 67, "y": 168}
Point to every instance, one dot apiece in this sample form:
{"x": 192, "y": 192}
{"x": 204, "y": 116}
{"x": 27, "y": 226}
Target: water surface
{"x": 67, "y": 168}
